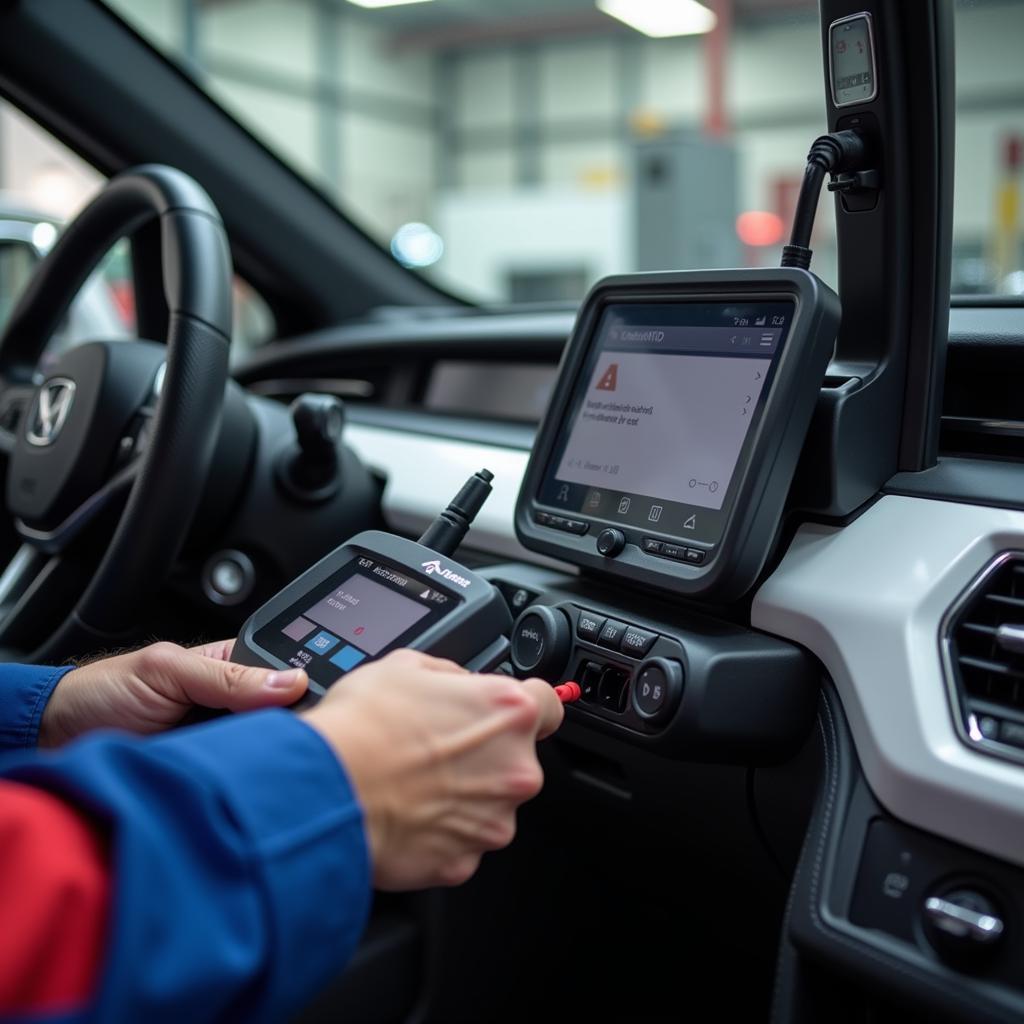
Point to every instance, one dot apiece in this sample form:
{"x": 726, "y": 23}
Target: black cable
{"x": 830, "y": 154}
{"x": 446, "y": 532}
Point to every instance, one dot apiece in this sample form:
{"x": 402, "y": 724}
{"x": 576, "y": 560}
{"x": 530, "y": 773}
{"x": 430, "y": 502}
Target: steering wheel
{"x": 109, "y": 421}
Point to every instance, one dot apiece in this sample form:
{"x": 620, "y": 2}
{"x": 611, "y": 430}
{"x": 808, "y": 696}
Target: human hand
{"x": 152, "y": 689}
{"x": 440, "y": 760}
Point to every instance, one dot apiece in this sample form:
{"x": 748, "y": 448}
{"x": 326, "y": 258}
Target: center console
{"x": 661, "y": 471}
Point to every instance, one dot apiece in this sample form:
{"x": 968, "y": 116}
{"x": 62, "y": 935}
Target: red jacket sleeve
{"x": 54, "y": 900}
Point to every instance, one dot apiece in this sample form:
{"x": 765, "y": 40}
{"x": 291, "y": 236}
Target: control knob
{"x": 541, "y": 642}
{"x": 962, "y": 924}
{"x": 658, "y": 687}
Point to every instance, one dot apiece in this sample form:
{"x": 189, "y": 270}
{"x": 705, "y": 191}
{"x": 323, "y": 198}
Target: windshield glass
{"x": 517, "y": 151}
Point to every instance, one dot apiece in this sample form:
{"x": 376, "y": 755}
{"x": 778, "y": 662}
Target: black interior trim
{"x": 519, "y": 336}
{"x": 971, "y": 481}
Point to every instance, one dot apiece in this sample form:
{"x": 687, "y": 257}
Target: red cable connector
{"x": 568, "y": 692}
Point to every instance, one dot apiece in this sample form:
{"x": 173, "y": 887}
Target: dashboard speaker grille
{"x": 983, "y": 641}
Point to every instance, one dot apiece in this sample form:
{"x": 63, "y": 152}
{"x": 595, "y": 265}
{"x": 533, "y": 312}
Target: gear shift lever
{"x": 310, "y": 469}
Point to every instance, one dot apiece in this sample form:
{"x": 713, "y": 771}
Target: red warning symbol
{"x": 608, "y": 381}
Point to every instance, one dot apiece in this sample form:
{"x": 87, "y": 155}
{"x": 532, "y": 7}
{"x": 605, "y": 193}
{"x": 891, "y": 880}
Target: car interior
{"x": 679, "y": 360}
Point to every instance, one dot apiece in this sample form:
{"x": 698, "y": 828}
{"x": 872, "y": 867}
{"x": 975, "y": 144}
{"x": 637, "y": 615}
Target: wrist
{"x": 354, "y": 750}
{"x": 53, "y": 724}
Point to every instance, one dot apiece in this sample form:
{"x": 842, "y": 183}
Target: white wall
{"x": 491, "y": 232}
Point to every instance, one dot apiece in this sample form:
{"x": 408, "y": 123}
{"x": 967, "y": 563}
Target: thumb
{"x": 213, "y": 683}
{"x": 550, "y": 710}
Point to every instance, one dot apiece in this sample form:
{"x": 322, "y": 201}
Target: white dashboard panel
{"x": 868, "y": 601}
{"x": 424, "y": 473}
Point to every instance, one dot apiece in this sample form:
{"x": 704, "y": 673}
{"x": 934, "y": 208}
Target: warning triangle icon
{"x": 609, "y": 378}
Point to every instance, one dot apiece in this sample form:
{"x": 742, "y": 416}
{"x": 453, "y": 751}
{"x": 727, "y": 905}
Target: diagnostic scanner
{"x": 378, "y": 592}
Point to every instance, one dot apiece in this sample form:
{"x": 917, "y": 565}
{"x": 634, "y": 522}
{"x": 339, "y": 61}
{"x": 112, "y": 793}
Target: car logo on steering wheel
{"x": 51, "y": 411}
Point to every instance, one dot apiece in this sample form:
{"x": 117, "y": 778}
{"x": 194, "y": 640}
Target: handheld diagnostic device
{"x": 680, "y": 411}
{"x": 377, "y": 592}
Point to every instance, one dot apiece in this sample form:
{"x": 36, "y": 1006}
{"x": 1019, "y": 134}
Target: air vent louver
{"x": 984, "y": 640}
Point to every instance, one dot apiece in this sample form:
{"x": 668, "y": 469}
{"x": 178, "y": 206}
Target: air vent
{"x": 983, "y": 641}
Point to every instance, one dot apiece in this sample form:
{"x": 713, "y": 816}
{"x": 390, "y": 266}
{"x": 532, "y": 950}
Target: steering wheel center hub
{"x": 67, "y": 445}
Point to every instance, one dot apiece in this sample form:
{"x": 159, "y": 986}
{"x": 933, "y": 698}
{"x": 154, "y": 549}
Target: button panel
{"x": 609, "y": 658}
{"x": 677, "y": 552}
{"x": 564, "y": 523}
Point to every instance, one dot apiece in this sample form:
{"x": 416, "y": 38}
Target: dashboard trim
{"x": 868, "y": 600}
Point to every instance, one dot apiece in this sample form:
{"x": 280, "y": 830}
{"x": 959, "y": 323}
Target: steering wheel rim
{"x": 172, "y": 470}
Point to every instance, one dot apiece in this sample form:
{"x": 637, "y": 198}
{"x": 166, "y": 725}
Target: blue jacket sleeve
{"x": 240, "y": 869}
{"x": 24, "y": 691}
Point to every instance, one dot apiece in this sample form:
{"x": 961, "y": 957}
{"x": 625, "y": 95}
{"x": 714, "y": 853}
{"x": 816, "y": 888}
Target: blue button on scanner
{"x": 348, "y": 657}
{"x": 323, "y": 642}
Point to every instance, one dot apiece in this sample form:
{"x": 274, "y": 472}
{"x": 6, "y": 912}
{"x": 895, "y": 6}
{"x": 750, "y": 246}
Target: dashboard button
{"x": 589, "y": 626}
{"x": 589, "y": 680}
{"x": 652, "y": 546}
{"x": 610, "y": 542}
{"x": 579, "y": 526}
{"x": 228, "y": 577}
{"x": 611, "y": 634}
{"x": 695, "y": 555}
{"x": 541, "y": 640}
{"x": 657, "y": 689}
{"x": 676, "y": 551}
{"x": 637, "y": 641}
{"x": 542, "y": 518}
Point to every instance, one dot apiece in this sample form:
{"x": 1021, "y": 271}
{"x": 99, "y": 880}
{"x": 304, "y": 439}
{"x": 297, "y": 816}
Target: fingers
{"x": 214, "y": 683}
{"x": 550, "y": 710}
{"x": 220, "y": 650}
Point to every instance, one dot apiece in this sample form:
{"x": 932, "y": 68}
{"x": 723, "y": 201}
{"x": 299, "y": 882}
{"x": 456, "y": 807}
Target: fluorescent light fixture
{"x": 386, "y": 3}
{"x": 417, "y": 245}
{"x": 661, "y": 18}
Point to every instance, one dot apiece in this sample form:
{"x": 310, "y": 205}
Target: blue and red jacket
{"x": 215, "y": 873}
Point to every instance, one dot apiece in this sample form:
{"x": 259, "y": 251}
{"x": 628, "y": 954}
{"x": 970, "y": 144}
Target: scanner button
{"x": 589, "y": 627}
{"x": 323, "y": 642}
{"x": 347, "y": 658}
{"x": 637, "y": 641}
{"x": 611, "y": 634}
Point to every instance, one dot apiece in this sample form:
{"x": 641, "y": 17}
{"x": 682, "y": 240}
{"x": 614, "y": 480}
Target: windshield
{"x": 518, "y": 151}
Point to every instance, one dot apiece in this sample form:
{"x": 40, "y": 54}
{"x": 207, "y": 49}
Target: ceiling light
{"x": 385, "y": 3}
{"x": 660, "y": 18}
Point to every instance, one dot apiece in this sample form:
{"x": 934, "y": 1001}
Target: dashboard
{"x": 851, "y": 613}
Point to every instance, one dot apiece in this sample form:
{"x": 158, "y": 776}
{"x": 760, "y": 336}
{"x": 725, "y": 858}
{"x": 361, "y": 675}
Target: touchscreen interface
{"x": 663, "y": 412}
{"x": 363, "y": 610}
